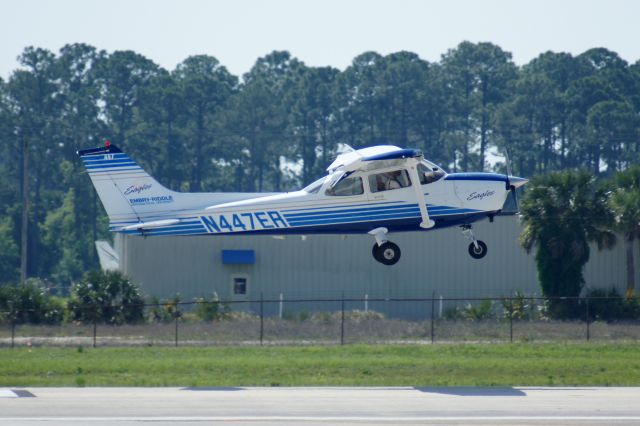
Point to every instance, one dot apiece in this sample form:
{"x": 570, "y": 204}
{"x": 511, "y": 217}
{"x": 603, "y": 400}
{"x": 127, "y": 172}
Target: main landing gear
{"x": 477, "y": 248}
{"x": 384, "y": 251}
{"x": 388, "y": 253}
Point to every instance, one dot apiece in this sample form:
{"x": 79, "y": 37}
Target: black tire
{"x": 387, "y": 254}
{"x": 480, "y": 251}
{"x": 376, "y": 252}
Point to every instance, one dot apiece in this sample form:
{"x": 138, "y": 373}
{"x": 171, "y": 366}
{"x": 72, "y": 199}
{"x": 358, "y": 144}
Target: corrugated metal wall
{"x": 328, "y": 266}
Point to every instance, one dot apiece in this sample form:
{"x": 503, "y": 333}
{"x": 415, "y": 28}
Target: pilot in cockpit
{"x": 388, "y": 180}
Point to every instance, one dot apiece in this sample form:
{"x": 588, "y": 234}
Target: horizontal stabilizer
{"x": 108, "y": 257}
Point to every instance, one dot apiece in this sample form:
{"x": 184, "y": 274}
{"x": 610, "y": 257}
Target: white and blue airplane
{"x": 377, "y": 190}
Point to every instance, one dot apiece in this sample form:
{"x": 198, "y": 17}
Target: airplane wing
{"x": 372, "y": 158}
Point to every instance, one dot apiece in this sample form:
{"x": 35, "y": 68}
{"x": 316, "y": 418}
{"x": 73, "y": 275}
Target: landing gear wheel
{"x": 478, "y": 252}
{"x": 388, "y": 253}
{"x": 375, "y": 252}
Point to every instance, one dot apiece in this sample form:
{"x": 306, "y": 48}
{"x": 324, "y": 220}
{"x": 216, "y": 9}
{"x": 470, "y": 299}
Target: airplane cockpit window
{"x": 314, "y": 187}
{"x": 347, "y": 186}
{"x": 389, "y": 180}
{"x": 429, "y": 175}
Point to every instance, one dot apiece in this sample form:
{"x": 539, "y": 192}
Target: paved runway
{"x": 271, "y": 406}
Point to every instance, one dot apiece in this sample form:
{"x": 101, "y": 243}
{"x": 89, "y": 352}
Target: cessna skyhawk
{"x": 377, "y": 190}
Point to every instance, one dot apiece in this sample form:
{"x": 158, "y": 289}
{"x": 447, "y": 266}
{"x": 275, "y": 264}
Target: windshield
{"x": 429, "y": 175}
{"x": 315, "y": 186}
{"x": 431, "y": 165}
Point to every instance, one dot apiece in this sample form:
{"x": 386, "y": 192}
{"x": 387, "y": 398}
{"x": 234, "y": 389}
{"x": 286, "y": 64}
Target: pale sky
{"x": 319, "y": 32}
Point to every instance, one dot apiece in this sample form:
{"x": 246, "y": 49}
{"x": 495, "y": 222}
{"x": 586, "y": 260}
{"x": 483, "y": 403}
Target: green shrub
{"x": 157, "y": 311}
{"x": 470, "y": 312}
{"x": 30, "y": 303}
{"x": 614, "y": 308}
{"x": 108, "y": 297}
{"x": 519, "y": 307}
{"x": 480, "y": 311}
{"x": 172, "y": 306}
{"x": 453, "y": 313}
{"x": 169, "y": 309}
{"x": 211, "y": 309}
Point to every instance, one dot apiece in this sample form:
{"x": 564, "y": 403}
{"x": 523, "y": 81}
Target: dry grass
{"x": 317, "y": 329}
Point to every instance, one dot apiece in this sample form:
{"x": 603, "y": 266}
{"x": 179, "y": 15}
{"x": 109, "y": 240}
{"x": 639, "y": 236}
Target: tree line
{"x": 201, "y": 128}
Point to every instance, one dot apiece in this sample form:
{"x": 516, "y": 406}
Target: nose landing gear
{"x": 384, "y": 251}
{"x": 477, "y": 248}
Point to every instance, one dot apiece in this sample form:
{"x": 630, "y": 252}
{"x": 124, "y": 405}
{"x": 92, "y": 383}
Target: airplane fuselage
{"x": 454, "y": 199}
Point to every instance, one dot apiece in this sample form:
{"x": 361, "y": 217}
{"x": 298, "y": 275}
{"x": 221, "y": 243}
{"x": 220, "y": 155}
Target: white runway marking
{"x": 5, "y": 393}
{"x": 319, "y": 419}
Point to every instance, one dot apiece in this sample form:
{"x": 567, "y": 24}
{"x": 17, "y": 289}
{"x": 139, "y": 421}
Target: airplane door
{"x": 393, "y": 185}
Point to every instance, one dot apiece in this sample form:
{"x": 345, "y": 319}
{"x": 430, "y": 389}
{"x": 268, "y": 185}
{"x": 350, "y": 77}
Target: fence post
{"x": 261, "y": 318}
{"x": 281, "y": 306}
{"x": 433, "y": 305}
{"x": 511, "y": 320}
{"x": 366, "y": 302}
{"x": 177, "y": 315}
{"x": 587, "y": 308}
{"x": 95, "y": 330}
{"x": 342, "y": 321}
{"x": 13, "y": 329}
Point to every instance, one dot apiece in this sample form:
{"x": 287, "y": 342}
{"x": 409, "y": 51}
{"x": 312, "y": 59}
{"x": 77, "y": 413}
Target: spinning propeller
{"x": 513, "y": 182}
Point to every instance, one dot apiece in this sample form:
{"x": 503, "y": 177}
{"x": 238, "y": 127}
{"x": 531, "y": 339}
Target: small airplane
{"x": 377, "y": 190}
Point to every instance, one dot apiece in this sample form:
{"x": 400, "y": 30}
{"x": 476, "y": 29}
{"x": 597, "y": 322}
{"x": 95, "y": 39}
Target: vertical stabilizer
{"x": 128, "y": 193}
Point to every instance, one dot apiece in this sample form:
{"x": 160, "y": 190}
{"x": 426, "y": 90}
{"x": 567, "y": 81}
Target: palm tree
{"x": 562, "y": 213}
{"x": 624, "y": 201}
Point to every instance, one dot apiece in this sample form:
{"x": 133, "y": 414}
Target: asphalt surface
{"x": 275, "y": 406}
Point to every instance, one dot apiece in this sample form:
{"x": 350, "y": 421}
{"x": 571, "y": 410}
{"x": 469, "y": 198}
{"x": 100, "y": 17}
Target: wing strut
{"x": 422, "y": 202}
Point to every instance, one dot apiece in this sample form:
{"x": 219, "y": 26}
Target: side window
{"x": 348, "y": 186}
{"x": 389, "y": 180}
{"x": 427, "y": 175}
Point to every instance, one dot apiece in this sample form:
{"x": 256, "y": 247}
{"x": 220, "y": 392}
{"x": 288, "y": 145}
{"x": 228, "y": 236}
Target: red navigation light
{"x": 107, "y": 143}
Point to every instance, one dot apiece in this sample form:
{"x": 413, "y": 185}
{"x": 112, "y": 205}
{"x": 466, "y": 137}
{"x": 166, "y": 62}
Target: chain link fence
{"x": 283, "y": 321}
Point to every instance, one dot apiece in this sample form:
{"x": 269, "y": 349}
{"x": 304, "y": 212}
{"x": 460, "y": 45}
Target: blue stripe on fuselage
{"x": 340, "y": 207}
{"x": 364, "y": 209}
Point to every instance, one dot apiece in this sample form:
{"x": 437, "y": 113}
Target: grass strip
{"x": 540, "y": 364}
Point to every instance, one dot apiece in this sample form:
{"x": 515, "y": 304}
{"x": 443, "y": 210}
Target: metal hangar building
{"x": 249, "y": 267}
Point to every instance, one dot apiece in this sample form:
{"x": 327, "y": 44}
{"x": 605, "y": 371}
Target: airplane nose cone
{"x": 517, "y": 182}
